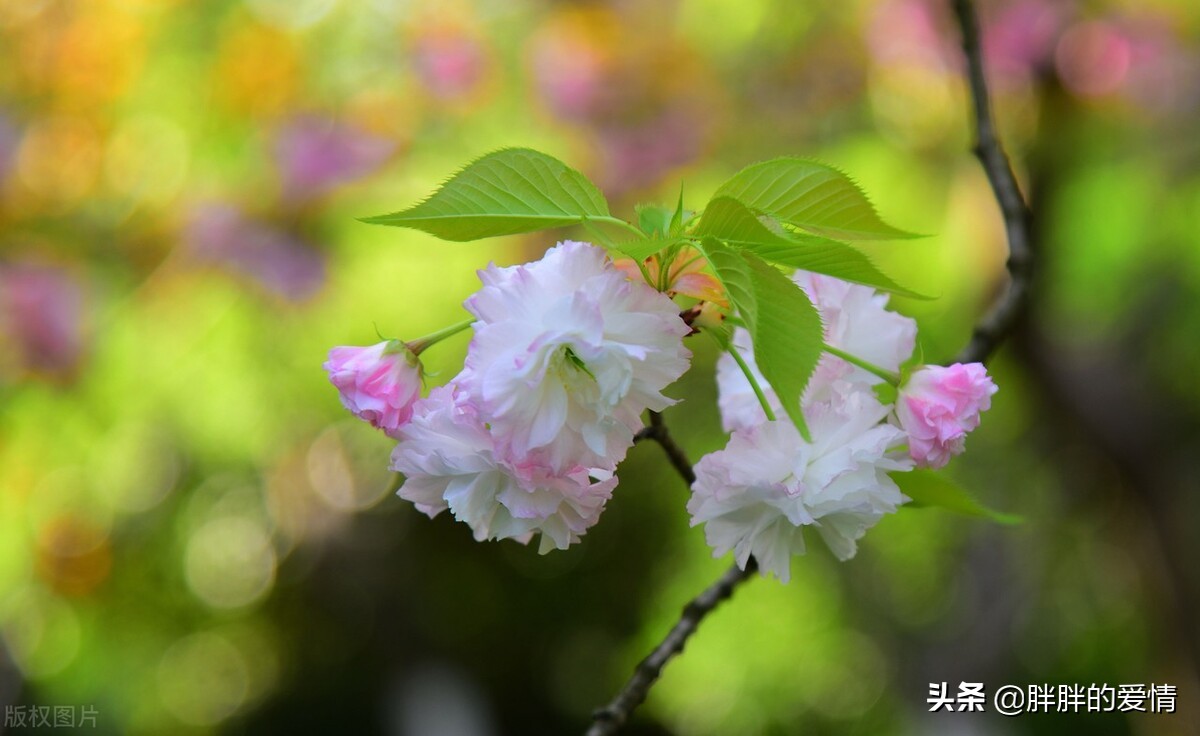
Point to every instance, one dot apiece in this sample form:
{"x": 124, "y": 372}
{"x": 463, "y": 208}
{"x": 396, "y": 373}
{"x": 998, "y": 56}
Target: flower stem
{"x": 598, "y": 234}
{"x": 616, "y": 221}
{"x": 890, "y": 376}
{"x": 419, "y": 345}
{"x": 762, "y": 399}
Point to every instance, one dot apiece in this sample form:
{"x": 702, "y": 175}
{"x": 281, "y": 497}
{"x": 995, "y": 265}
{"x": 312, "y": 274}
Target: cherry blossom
{"x": 378, "y": 384}
{"x": 568, "y": 353}
{"x": 450, "y": 461}
{"x": 938, "y": 406}
{"x": 755, "y": 496}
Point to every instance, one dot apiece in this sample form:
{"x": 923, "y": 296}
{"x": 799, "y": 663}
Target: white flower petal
{"x": 756, "y": 496}
{"x": 568, "y": 353}
{"x": 450, "y": 460}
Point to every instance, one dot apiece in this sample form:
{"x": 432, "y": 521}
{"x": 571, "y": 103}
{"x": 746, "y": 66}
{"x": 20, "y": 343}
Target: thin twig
{"x": 658, "y": 432}
{"x": 992, "y": 329}
{"x": 609, "y": 719}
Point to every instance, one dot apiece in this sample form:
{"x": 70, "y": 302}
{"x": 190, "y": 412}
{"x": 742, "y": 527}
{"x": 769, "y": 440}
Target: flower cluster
{"x": 570, "y": 350}
{"x": 567, "y": 354}
{"x": 755, "y": 496}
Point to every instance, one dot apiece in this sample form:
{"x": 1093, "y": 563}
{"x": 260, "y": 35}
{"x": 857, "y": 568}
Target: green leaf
{"x": 784, "y": 325}
{"x": 729, "y": 220}
{"x": 639, "y": 249}
{"x": 787, "y": 334}
{"x": 914, "y": 362}
{"x": 811, "y": 196}
{"x": 723, "y": 334}
{"x": 654, "y": 219}
{"x": 885, "y": 392}
{"x": 514, "y": 190}
{"x": 730, "y": 268}
{"x": 834, "y": 259}
{"x": 680, "y": 217}
{"x": 927, "y": 488}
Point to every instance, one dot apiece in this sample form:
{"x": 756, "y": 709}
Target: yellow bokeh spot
{"x": 41, "y": 631}
{"x": 917, "y": 105}
{"x": 203, "y": 679}
{"x": 341, "y": 471}
{"x": 60, "y": 157}
{"x": 134, "y": 467}
{"x": 230, "y": 562}
{"x": 147, "y": 159}
{"x": 16, "y": 12}
{"x": 291, "y": 14}
{"x": 74, "y": 555}
{"x": 258, "y": 69}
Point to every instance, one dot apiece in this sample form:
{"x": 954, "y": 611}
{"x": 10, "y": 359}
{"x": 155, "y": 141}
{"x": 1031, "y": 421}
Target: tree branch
{"x": 610, "y": 718}
{"x": 992, "y": 329}
{"x": 658, "y": 432}
{"x": 613, "y": 716}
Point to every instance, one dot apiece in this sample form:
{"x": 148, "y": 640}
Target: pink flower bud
{"x": 938, "y": 406}
{"x": 378, "y": 383}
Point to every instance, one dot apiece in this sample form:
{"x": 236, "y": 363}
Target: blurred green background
{"x": 196, "y": 538}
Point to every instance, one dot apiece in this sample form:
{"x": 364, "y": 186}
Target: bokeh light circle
{"x": 230, "y": 562}
{"x": 202, "y": 679}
